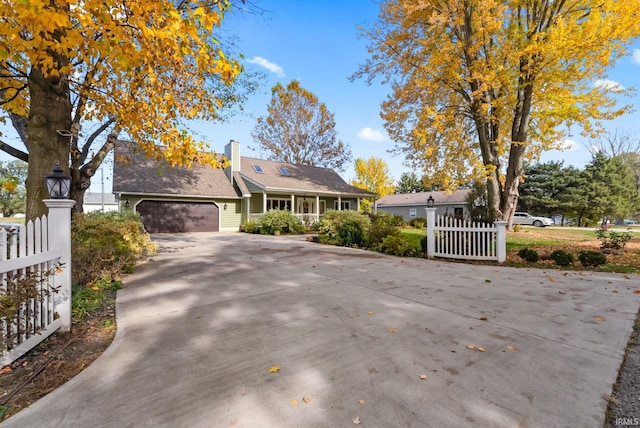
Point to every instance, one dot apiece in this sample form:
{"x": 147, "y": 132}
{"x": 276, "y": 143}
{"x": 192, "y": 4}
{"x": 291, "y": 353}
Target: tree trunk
{"x": 50, "y": 112}
{"x": 510, "y": 194}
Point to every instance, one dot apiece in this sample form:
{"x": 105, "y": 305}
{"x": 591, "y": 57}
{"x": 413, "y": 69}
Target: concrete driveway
{"x": 200, "y": 326}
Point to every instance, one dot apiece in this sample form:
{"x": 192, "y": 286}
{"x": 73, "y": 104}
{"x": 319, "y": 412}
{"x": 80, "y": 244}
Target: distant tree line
{"x": 607, "y": 189}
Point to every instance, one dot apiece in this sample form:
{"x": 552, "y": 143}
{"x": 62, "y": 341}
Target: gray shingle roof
{"x": 439, "y": 197}
{"x": 301, "y": 178}
{"x": 151, "y": 177}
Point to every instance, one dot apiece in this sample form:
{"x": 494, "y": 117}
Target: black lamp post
{"x": 430, "y": 201}
{"x": 58, "y": 184}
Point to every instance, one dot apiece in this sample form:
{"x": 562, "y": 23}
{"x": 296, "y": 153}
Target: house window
{"x": 412, "y": 212}
{"x": 283, "y": 171}
{"x": 458, "y": 213}
{"x": 279, "y": 204}
{"x": 258, "y": 169}
{"x": 344, "y": 206}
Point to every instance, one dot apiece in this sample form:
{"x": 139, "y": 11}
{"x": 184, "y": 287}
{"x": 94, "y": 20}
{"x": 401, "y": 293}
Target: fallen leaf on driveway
{"x": 306, "y": 400}
{"x": 294, "y": 402}
{"x": 393, "y": 330}
{"x": 423, "y": 377}
{"x": 274, "y": 369}
{"x": 599, "y": 318}
{"x": 483, "y": 318}
{"x": 561, "y": 292}
{"x": 480, "y": 349}
{"x": 635, "y": 291}
{"x": 473, "y": 348}
{"x": 370, "y": 312}
{"x": 510, "y": 348}
{"x": 357, "y": 421}
{"x": 361, "y": 402}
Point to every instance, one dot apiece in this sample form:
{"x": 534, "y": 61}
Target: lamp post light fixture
{"x": 225, "y": 206}
{"x": 126, "y": 204}
{"x": 430, "y": 202}
{"x": 58, "y": 184}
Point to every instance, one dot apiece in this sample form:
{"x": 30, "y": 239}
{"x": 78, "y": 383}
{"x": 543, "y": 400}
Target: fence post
{"x": 431, "y": 231}
{"x": 501, "y": 240}
{"x": 60, "y": 238}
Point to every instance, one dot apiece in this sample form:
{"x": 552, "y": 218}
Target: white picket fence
{"x": 453, "y": 238}
{"x": 40, "y": 252}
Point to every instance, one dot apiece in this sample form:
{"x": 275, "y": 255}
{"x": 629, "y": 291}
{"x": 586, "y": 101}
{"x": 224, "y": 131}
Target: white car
{"x": 528, "y": 219}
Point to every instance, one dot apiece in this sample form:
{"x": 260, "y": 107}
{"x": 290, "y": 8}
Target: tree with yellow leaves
{"x": 480, "y": 86}
{"x": 373, "y": 175}
{"x": 136, "y": 70}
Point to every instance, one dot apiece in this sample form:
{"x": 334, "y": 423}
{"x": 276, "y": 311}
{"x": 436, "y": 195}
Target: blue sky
{"x": 316, "y": 42}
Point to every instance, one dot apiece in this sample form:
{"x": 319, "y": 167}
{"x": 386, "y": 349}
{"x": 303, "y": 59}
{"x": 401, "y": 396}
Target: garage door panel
{"x": 176, "y": 217}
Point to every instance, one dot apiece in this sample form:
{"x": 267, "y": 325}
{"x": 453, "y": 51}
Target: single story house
{"x": 99, "y": 202}
{"x": 213, "y": 199}
{"x": 412, "y": 205}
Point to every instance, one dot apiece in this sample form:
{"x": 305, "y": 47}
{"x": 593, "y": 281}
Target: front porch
{"x": 308, "y": 208}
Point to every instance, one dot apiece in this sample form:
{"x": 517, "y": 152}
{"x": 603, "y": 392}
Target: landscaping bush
{"x": 562, "y": 258}
{"x": 251, "y": 227}
{"x": 331, "y": 221}
{"x": 592, "y": 258}
{"x": 279, "y": 220}
{"x": 611, "y": 240}
{"x": 104, "y": 245}
{"x": 399, "y": 245}
{"x": 388, "y": 219}
{"x": 350, "y": 234}
{"x": 377, "y": 232}
{"x": 529, "y": 255}
{"x": 418, "y": 222}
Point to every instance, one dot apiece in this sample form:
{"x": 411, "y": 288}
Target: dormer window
{"x": 283, "y": 171}
{"x": 258, "y": 169}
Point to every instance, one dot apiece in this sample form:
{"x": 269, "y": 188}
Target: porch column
{"x": 264, "y": 202}
{"x": 317, "y": 208}
{"x": 358, "y": 204}
{"x": 293, "y": 204}
{"x": 339, "y": 203}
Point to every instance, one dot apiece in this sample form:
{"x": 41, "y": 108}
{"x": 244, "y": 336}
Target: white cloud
{"x": 371, "y": 134}
{"x": 271, "y": 66}
{"x": 610, "y": 85}
{"x": 635, "y": 57}
{"x": 567, "y": 145}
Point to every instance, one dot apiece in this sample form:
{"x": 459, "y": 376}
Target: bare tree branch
{"x": 18, "y": 154}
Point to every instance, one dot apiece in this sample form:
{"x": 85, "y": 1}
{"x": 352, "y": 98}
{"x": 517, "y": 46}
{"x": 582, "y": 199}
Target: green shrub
{"x": 610, "y": 239}
{"x": 399, "y": 245}
{"x": 388, "y": 219}
{"x": 251, "y": 226}
{"x": 377, "y": 232}
{"x": 529, "y": 255}
{"x": 592, "y": 258}
{"x": 281, "y": 221}
{"x": 331, "y": 221}
{"x": 350, "y": 234}
{"x": 418, "y": 222}
{"x": 562, "y": 258}
{"x": 107, "y": 244}
{"x": 88, "y": 300}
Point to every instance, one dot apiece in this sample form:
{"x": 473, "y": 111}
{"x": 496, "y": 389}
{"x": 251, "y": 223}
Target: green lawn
{"x": 546, "y": 240}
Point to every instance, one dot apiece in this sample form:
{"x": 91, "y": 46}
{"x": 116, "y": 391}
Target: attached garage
{"x": 177, "y": 217}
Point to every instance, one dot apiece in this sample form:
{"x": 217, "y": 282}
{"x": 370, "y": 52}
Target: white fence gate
{"x": 461, "y": 239}
{"x": 35, "y": 257}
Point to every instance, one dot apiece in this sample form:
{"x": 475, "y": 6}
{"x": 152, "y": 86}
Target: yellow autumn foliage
{"x": 145, "y": 64}
{"x": 480, "y": 86}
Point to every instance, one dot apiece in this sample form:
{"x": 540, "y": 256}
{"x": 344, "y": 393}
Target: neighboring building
{"x": 412, "y": 205}
{"x": 99, "y": 202}
{"x": 212, "y": 199}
